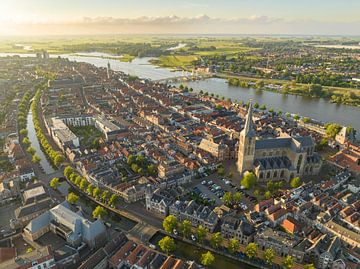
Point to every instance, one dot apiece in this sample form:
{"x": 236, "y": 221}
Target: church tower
{"x": 247, "y": 139}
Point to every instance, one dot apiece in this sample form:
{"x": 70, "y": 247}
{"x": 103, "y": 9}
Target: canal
{"x": 190, "y": 252}
{"x": 44, "y": 163}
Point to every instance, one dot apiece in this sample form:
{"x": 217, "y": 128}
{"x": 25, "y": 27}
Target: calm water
{"x": 190, "y": 252}
{"x": 318, "y": 109}
{"x": 46, "y": 166}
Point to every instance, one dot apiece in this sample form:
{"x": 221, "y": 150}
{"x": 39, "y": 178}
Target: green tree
{"x": 131, "y": 159}
{"x": 207, "y": 259}
{"x": 201, "y": 233}
{"x": 185, "y": 228}
{"x": 99, "y": 212}
{"x": 216, "y": 240}
{"x": 249, "y": 180}
{"x": 332, "y": 129}
{"x": 167, "y": 244}
{"x": 227, "y": 198}
{"x": 269, "y": 255}
{"x": 31, "y": 150}
{"x": 90, "y": 189}
{"x": 26, "y": 141}
{"x": 113, "y": 199}
{"x": 237, "y": 197}
{"x": 221, "y": 171}
{"x": 233, "y": 245}
{"x": 251, "y": 250}
{"x": 306, "y": 120}
{"x": 288, "y": 115}
{"x": 296, "y": 117}
{"x": 36, "y": 158}
{"x": 83, "y": 184}
{"x": 59, "y": 159}
{"x": 288, "y": 262}
{"x": 96, "y": 193}
{"x": 23, "y": 132}
{"x": 267, "y": 195}
{"x": 309, "y": 266}
{"x": 78, "y": 180}
{"x": 68, "y": 171}
{"x": 170, "y": 223}
{"x": 105, "y": 196}
{"x": 54, "y": 183}
{"x": 72, "y": 198}
{"x": 295, "y": 182}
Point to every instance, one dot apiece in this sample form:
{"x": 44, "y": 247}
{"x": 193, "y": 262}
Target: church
{"x": 279, "y": 158}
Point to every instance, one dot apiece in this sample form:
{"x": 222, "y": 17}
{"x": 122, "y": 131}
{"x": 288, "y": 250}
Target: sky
{"x": 294, "y": 17}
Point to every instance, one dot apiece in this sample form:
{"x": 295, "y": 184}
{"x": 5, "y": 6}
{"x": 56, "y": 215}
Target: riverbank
{"x": 346, "y": 96}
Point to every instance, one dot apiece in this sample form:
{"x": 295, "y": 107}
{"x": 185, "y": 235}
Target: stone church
{"x": 279, "y": 158}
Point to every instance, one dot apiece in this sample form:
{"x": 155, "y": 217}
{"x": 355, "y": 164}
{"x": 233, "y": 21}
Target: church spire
{"x": 249, "y": 128}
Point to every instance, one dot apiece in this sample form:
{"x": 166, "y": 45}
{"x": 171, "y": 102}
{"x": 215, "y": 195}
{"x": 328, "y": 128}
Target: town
{"x": 100, "y": 169}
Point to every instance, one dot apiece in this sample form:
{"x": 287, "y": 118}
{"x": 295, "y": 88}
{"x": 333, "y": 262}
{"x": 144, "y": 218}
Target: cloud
{"x": 172, "y": 24}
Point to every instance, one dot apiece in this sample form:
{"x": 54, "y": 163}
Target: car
{"x": 193, "y": 238}
{"x": 210, "y": 182}
{"x": 175, "y": 232}
{"x": 152, "y": 246}
{"x": 203, "y": 182}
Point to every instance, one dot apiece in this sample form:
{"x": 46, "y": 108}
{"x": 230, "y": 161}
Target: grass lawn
{"x": 175, "y": 61}
{"x": 87, "y": 134}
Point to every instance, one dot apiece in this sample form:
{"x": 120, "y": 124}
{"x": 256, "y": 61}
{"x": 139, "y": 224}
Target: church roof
{"x": 270, "y": 163}
{"x": 249, "y": 128}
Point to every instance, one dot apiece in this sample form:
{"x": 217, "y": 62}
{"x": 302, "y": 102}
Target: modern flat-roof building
{"x": 62, "y": 135}
{"x": 68, "y": 224}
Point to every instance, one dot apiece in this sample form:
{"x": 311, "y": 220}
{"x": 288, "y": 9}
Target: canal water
{"x": 44, "y": 163}
{"x": 318, "y": 109}
{"x": 190, "y": 252}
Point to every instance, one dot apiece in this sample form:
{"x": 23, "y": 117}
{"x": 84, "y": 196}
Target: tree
{"x": 31, "y": 150}
{"x": 26, "y": 141}
{"x": 104, "y": 196}
{"x": 36, "y": 158}
{"x": 23, "y": 132}
{"x": 207, "y": 259}
{"x": 309, "y": 266}
{"x": 78, "y": 180}
{"x": 227, "y": 198}
{"x": 251, "y": 250}
{"x": 263, "y": 107}
{"x": 295, "y": 182}
{"x": 267, "y": 195}
{"x": 201, "y": 233}
{"x": 237, "y": 197}
{"x": 54, "y": 183}
{"x": 83, "y": 184}
{"x": 249, "y": 180}
{"x": 113, "y": 199}
{"x": 216, "y": 240}
{"x": 131, "y": 159}
{"x": 72, "y": 198}
{"x": 167, "y": 244}
{"x": 58, "y": 159}
{"x": 185, "y": 228}
{"x": 68, "y": 171}
{"x": 296, "y": 117}
{"x": 288, "y": 262}
{"x": 233, "y": 245}
{"x": 90, "y": 189}
{"x": 221, "y": 171}
{"x": 269, "y": 255}
{"x": 96, "y": 192}
{"x": 306, "y": 120}
{"x": 170, "y": 223}
{"x": 99, "y": 212}
{"x": 288, "y": 115}
{"x": 332, "y": 129}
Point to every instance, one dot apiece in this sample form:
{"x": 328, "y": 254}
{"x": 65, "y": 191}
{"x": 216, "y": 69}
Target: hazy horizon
{"x": 199, "y": 17}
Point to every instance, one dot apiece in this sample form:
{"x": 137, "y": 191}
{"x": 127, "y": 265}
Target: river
{"x": 318, "y": 109}
{"x": 44, "y": 163}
